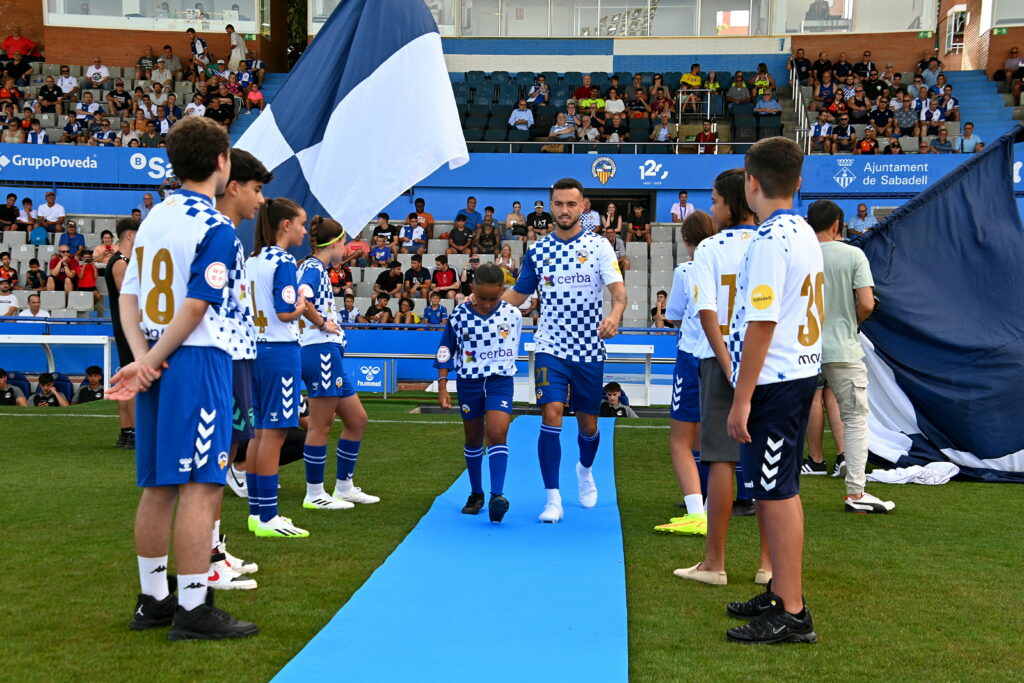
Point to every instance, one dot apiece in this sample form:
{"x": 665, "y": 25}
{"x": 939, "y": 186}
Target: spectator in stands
{"x": 136, "y": 215}
{"x": 8, "y": 274}
{"x": 968, "y": 142}
{"x": 105, "y": 249}
{"x": 216, "y": 111}
{"x": 63, "y": 271}
{"x": 507, "y": 263}
{"x": 662, "y": 103}
{"x": 821, "y": 134}
{"x": 614, "y": 104}
{"x": 243, "y": 76}
{"x": 35, "y": 278}
{"x": 387, "y": 231}
{"x": 874, "y": 86}
{"x": 487, "y": 239}
{"x": 844, "y": 136}
{"x": 34, "y": 310}
{"x": 390, "y": 281}
{"x": 933, "y": 118}
{"x": 196, "y": 106}
{"x": 8, "y": 302}
{"x": 144, "y": 106}
{"x": 120, "y": 102}
{"x": 589, "y": 219}
{"x": 466, "y": 279}
{"x": 380, "y": 254}
{"x": 1013, "y": 72}
{"x": 658, "y": 311}
{"x": 17, "y": 44}
{"x": 349, "y": 313}
{"x": 865, "y": 65}
{"x": 97, "y": 75}
{"x": 171, "y": 64}
{"x": 583, "y": 91}
{"x": 941, "y": 144}
{"x": 238, "y": 47}
{"x": 658, "y": 81}
{"x": 93, "y": 387}
{"x": 515, "y": 223}
{"x": 405, "y": 313}
{"x": 918, "y": 90}
{"x": 762, "y": 82}
{"x": 357, "y": 252}
{"x": 87, "y": 277}
{"x": 691, "y": 79}
{"x": 858, "y": 106}
{"x": 838, "y": 107}
{"x": 444, "y": 280}
{"x": 200, "y": 57}
{"x": 27, "y": 217}
{"x": 707, "y": 139}
{"x": 253, "y": 99}
{"x": 562, "y": 130}
{"x": 51, "y": 214}
{"x": 417, "y": 279}
{"x": 768, "y": 109}
{"x": 19, "y": 69}
{"x": 937, "y": 89}
{"x": 9, "y": 213}
{"x": 46, "y": 395}
{"x": 160, "y": 74}
{"x": 74, "y": 240}
{"x": 378, "y": 312}
{"x": 460, "y": 239}
{"x": 824, "y": 92}
{"x": 619, "y": 246}
{"x": 587, "y": 131}
{"x": 923, "y": 147}
{"x": 862, "y": 222}
{"x": 949, "y": 104}
{"x": 341, "y": 279}
{"x": 256, "y": 67}
{"x": 894, "y": 146}
{"x": 174, "y": 112}
{"x": 882, "y": 117}
{"x": 86, "y": 110}
{"x": 639, "y": 225}
{"x": 616, "y": 131}
{"x": 664, "y": 130}
{"x": 635, "y": 87}
{"x": 13, "y": 135}
{"x": 930, "y": 76}
{"x": 427, "y": 218}
{"x": 639, "y": 106}
{"x": 49, "y": 100}
{"x": 73, "y": 133}
{"x": 539, "y": 222}
{"x": 521, "y": 117}
{"x": 738, "y": 93}
{"x": 9, "y": 94}
{"x": 413, "y": 236}
{"x": 610, "y": 406}
{"x": 802, "y": 66}
{"x": 820, "y": 65}
{"x": 539, "y": 93}
{"x": 869, "y": 143}
{"x": 435, "y": 313}
{"x": 145, "y": 64}
{"x": 68, "y": 84}
{"x": 127, "y": 134}
{"x": 151, "y": 138}
{"x": 682, "y": 208}
{"x": 10, "y": 395}
{"x": 906, "y": 117}
{"x": 37, "y": 136}
{"x": 611, "y": 220}
{"x": 842, "y": 67}
{"x": 594, "y": 100}
{"x": 472, "y": 216}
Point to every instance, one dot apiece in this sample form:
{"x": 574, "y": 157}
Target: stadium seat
{"x": 12, "y": 238}
{"x": 62, "y": 383}
{"x": 525, "y": 79}
{"x": 477, "y": 121}
{"x": 481, "y": 147}
{"x": 19, "y": 380}
{"x": 637, "y": 250}
{"x": 458, "y": 261}
{"x": 495, "y": 134}
{"x": 92, "y": 240}
{"x": 473, "y": 134}
{"x": 475, "y": 78}
{"x": 52, "y": 300}
{"x": 23, "y": 252}
{"x": 500, "y": 77}
{"x": 483, "y": 97}
{"x": 551, "y": 77}
{"x": 101, "y": 286}
{"x": 768, "y": 130}
{"x": 662, "y": 259}
{"x": 21, "y": 295}
{"x": 460, "y": 89}
{"x": 661, "y": 233}
{"x": 364, "y": 289}
{"x": 81, "y": 301}
{"x": 44, "y": 254}
{"x": 606, "y": 148}
{"x": 436, "y": 247}
{"x": 101, "y": 224}
{"x": 85, "y": 225}
{"x": 635, "y": 278}
{"x": 742, "y": 109}
{"x": 508, "y": 98}
{"x": 479, "y": 109}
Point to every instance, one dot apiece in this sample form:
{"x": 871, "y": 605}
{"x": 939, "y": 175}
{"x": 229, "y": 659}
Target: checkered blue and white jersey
{"x": 184, "y": 249}
{"x": 315, "y": 286}
{"x": 716, "y": 266}
{"x": 243, "y": 341}
{"x": 273, "y": 281}
{"x": 570, "y": 276}
{"x": 782, "y": 280}
{"x": 682, "y": 306}
{"x": 477, "y": 346}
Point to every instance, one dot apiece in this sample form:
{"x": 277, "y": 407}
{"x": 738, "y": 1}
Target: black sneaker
{"x": 497, "y": 508}
{"x": 754, "y": 607}
{"x": 153, "y": 613}
{"x": 776, "y": 625}
{"x": 474, "y": 504}
{"x": 743, "y": 508}
{"x": 811, "y": 468}
{"x": 129, "y": 442}
{"x": 840, "y": 467}
{"x": 208, "y": 623}
{"x": 121, "y": 439}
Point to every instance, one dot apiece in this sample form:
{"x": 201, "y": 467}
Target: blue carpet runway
{"x": 461, "y": 599}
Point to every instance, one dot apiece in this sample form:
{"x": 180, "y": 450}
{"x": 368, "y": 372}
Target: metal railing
{"x": 803, "y": 124}
{"x": 571, "y": 146}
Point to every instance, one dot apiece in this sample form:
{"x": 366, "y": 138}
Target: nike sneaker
{"x": 236, "y": 480}
{"x": 587, "y": 487}
{"x": 754, "y": 607}
{"x": 236, "y": 563}
{"x": 223, "y": 577}
{"x": 776, "y": 625}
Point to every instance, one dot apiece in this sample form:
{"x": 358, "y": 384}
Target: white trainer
{"x": 236, "y": 480}
{"x": 254, "y": 522}
{"x": 222, "y": 577}
{"x": 280, "y": 527}
{"x": 868, "y": 503}
{"x": 588, "y": 490}
{"x": 238, "y": 564}
{"x": 355, "y": 495}
{"x": 325, "y": 502}
{"x": 552, "y": 514}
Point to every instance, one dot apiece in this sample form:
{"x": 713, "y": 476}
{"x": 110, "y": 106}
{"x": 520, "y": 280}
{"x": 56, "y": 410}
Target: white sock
{"x": 153, "y": 576}
{"x": 315, "y": 490}
{"x": 585, "y": 472}
{"x": 694, "y": 504}
{"x": 215, "y": 538}
{"x": 343, "y": 485}
{"x": 554, "y": 497}
{"x": 191, "y": 590}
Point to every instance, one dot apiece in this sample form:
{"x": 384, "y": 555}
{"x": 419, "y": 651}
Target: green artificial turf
{"x": 927, "y": 592}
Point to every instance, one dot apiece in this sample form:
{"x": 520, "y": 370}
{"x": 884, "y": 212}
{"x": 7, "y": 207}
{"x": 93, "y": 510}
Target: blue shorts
{"x": 777, "y": 426}
{"x": 242, "y": 418}
{"x": 477, "y": 396}
{"x": 555, "y": 376}
{"x": 183, "y": 423}
{"x": 275, "y": 385}
{"x": 685, "y": 389}
{"x": 323, "y": 372}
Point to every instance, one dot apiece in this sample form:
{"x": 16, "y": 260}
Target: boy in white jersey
{"x": 481, "y": 342}
{"x": 174, "y": 302}
{"x": 571, "y": 267}
{"x": 775, "y": 344}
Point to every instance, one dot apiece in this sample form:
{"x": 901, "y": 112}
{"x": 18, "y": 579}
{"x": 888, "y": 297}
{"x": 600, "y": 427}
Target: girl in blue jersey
{"x": 481, "y": 343}
{"x": 329, "y": 389}
{"x": 276, "y": 308}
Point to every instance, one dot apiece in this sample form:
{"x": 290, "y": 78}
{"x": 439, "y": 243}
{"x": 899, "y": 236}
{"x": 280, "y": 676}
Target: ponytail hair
{"x": 269, "y": 220}
{"x": 323, "y": 232}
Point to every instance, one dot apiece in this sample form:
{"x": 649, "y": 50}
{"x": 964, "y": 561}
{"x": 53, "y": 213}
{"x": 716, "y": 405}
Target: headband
{"x": 330, "y": 242}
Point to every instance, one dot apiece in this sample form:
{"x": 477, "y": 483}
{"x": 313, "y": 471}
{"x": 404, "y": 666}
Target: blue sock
{"x": 267, "y": 487}
{"x": 742, "y": 492}
{"x": 497, "y": 460}
{"x": 702, "y": 472}
{"x": 254, "y": 493}
{"x": 588, "y": 447}
{"x": 348, "y": 452}
{"x": 315, "y": 458}
{"x": 474, "y": 465}
{"x": 549, "y": 448}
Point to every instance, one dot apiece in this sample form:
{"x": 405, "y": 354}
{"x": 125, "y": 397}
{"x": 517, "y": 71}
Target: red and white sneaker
{"x": 238, "y": 564}
{"x": 223, "y": 577}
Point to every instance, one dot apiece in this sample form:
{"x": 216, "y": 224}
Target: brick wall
{"x": 69, "y": 45}
{"x": 902, "y": 49}
{"x": 975, "y": 43}
{"x": 28, "y": 14}
{"x": 999, "y": 48}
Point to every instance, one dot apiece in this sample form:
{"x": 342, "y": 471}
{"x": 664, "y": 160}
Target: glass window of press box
{"x": 155, "y": 15}
{"x": 662, "y": 18}
{"x": 1006, "y": 12}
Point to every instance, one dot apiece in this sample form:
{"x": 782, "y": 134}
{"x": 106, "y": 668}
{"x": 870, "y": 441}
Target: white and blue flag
{"x": 339, "y": 136}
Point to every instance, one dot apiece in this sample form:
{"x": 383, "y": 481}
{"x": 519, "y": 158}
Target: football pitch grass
{"x": 929, "y": 592}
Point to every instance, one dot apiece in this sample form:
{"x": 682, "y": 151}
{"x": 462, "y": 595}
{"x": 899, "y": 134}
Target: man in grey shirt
{"x": 849, "y": 300}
